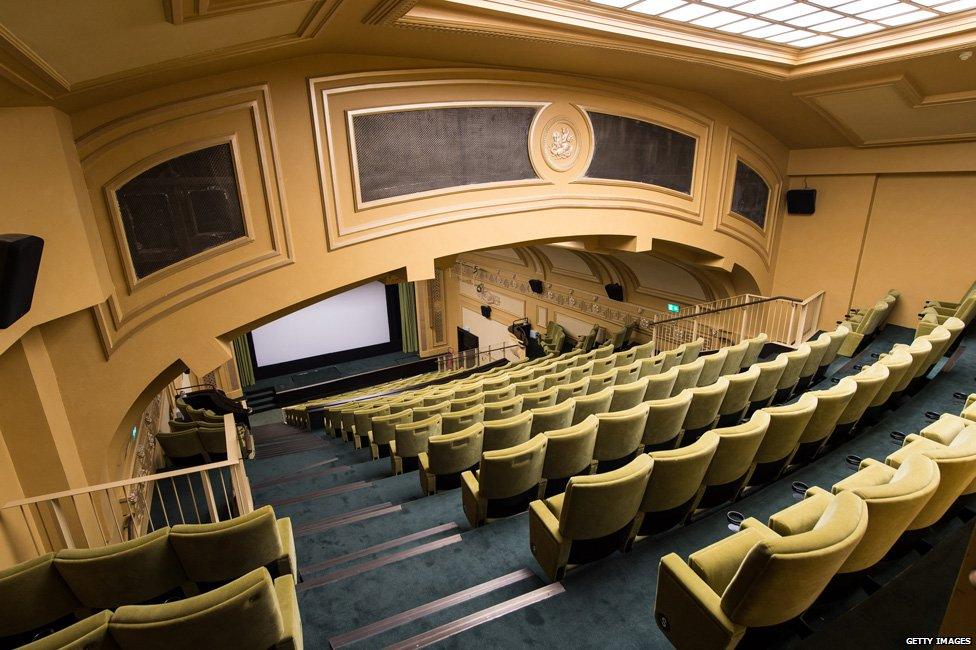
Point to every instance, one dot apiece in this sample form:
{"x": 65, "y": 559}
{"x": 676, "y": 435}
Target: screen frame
{"x": 395, "y": 344}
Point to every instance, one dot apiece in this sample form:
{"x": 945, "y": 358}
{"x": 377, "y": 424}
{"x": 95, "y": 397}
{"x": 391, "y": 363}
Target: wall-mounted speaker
{"x": 536, "y": 286}
{"x": 486, "y": 311}
{"x": 20, "y": 258}
{"x": 615, "y": 292}
{"x": 801, "y": 201}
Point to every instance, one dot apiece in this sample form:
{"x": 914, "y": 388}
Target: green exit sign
{"x": 673, "y": 307}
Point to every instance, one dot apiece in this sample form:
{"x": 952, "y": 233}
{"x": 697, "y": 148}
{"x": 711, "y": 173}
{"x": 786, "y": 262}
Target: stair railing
{"x": 468, "y": 359}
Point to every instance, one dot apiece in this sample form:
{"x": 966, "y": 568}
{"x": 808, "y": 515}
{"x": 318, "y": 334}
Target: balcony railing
{"x": 121, "y": 510}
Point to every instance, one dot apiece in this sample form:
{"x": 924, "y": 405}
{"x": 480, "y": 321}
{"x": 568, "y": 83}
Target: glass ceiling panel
{"x": 789, "y": 22}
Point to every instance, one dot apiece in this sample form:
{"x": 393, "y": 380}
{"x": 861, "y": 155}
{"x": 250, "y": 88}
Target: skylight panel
{"x": 814, "y": 19}
{"x": 789, "y": 37}
{"x": 830, "y": 3}
{"x": 766, "y": 32}
{"x": 863, "y": 5}
{"x": 959, "y": 5}
{"x": 884, "y": 12}
{"x": 790, "y": 11}
{"x": 689, "y": 12}
{"x": 905, "y": 19}
{"x": 613, "y": 3}
{"x": 866, "y": 28}
{"x": 761, "y": 6}
{"x": 834, "y": 25}
{"x": 930, "y": 3}
{"x": 717, "y": 19}
{"x": 814, "y": 40}
{"x": 725, "y": 3}
{"x": 655, "y": 7}
{"x": 743, "y": 25}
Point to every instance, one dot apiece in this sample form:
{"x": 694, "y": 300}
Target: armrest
{"x": 470, "y": 483}
{"x": 287, "y": 539}
{"x": 718, "y": 563}
{"x": 803, "y": 516}
{"x": 689, "y": 611}
{"x": 290, "y": 616}
{"x": 424, "y": 461}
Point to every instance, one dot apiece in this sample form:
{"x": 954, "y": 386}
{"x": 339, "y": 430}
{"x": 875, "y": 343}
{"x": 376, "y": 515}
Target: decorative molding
{"x": 387, "y": 12}
{"x": 560, "y": 144}
{"x": 182, "y": 11}
{"x": 122, "y": 148}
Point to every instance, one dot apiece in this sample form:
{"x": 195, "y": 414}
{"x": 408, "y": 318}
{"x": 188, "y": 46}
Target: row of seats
{"x": 938, "y": 312}
{"x": 864, "y": 323}
{"x": 59, "y": 588}
{"x": 249, "y": 612}
{"x": 766, "y": 575}
{"x": 199, "y": 438}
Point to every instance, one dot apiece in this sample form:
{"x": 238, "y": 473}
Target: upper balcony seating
{"x": 754, "y": 578}
{"x": 55, "y": 590}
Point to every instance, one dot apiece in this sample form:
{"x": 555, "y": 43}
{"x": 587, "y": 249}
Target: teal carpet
{"x": 606, "y": 603}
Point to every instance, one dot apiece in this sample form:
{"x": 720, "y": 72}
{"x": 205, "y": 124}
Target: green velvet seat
{"x": 43, "y": 600}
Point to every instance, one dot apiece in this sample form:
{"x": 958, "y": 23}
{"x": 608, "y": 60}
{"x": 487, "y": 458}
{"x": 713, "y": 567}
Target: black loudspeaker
{"x": 486, "y": 311}
{"x": 615, "y": 292}
{"x": 536, "y": 286}
{"x": 801, "y": 201}
{"x": 20, "y": 257}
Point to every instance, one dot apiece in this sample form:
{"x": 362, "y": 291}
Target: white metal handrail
{"x": 120, "y": 510}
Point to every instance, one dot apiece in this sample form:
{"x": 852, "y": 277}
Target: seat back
{"x": 406, "y": 404}
{"x": 508, "y": 432}
{"x": 627, "y": 374}
{"x": 898, "y": 363}
{"x": 494, "y": 383}
{"x": 557, "y": 378}
{"x": 363, "y": 417}
{"x": 581, "y": 371}
{"x": 625, "y": 358}
{"x": 892, "y": 507}
{"x": 498, "y": 394}
{"x": 605, "y": 364}
{"x": 620, "y": 433}
{"x": 869, "y": 382}
{"x": 603, "y": 351}
{"x": 830, "y": 404}
{"x": 733, "y": 358}
{"x": 837, "y": 338}
{"x": 628, "y": 395}
{"x": 470, "y": 389}
{"x": 705, "y": 402}
{"x": 543, "y": 369}
{"x": 738, "y": 395}
{"x": 818, "y": 347}
{"x": 795, "y": 361}
{"x": 601, "y": 504}
{"x": 40, "y": 593}
{"x": 574, "y": 389}
{"x": 592, "y": 404}
{"x": 541, "y": 398}
{"x": 530, "y": 386}
{"x": 180, "y": 444}
{"x": 737, "y": 447}
{"x": 227, "y": 549}
{"x": 548, "y": 418}
{"x": 421, "y": 413}
{"x": 644, "y": 350}
{"x": 753, "y": 349}
{"x": 671, "y": 358}
{"x": 780, "y": 578}
{"x": 512, "y": 471}
{"x": 411, "y": 439}
{"x": 957, "y": 471}
{"x": 652, "y": 365}
{"x": 688, "y": 374}
{"x": 919, "y": 350}
{"x": 450, "y": 453}
{"x": 384, "y": 426}
{"x": 582, "y": 359}
{"x": 242, "y": 614}
{"x": 786, "y": 425}
{"x": 692, "y": 349}
{"x": 504, "y": 410}
{"x": 458, "y": 420}
{"x": 134, "y": 571}
{"x": 939, "y": 338}
{"x": 712, "y": 369}
{"x": 598, "y": 383}
{"x": 437, "y": 397}
{"x": 665, "y": 418}
{"x": 466, "y": 403}
{"x": 570, "y": 450}
{"x": 677, "y": 474}
{"x": 770, "y": 373}
{"x": 660, "y": 385}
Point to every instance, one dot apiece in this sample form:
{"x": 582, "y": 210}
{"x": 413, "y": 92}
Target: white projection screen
{"x": 354, "y": 319}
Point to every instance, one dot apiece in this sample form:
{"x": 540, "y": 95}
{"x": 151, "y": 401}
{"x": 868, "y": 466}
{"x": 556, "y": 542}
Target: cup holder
{"x": 875, "y": 355}
{"x": 735, "y": 519}
{"x": 931, "y": 415}
{"x": 961, "y": 396}
{"x": 898, "y": 438}
{"x": 853, "y": 461}
{"x": 856, "y": 367}
{"x": 835, "y": 380}
{"x": 799, "y": 490}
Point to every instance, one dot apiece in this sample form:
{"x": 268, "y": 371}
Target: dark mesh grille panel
{"x": 626, "y": 149}
{"x": 416, "y": 151}
{"x": 180, "y": 208}
{"x": 750, "y": 195}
